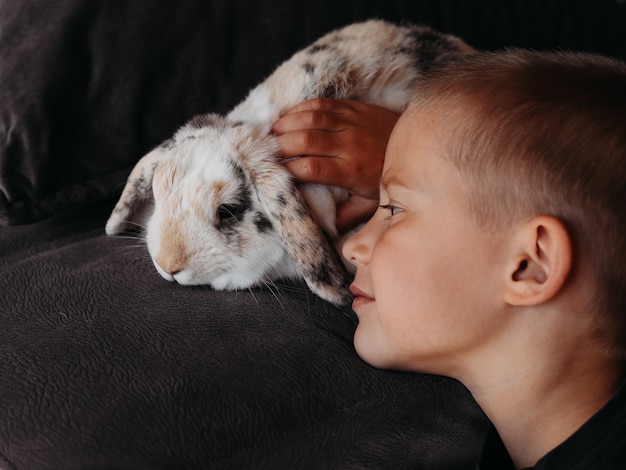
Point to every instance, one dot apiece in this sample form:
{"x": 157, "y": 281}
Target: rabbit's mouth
{"x": 242, "y": 273}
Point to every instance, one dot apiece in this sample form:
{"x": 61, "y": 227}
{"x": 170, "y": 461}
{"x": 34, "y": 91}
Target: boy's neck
{"x": 537, "y": 406}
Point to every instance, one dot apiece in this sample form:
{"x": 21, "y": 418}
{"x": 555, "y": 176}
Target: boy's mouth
{"x": 360, "y": 297}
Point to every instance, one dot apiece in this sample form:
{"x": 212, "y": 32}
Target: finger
{"x": 317, "y": 169}
{"x": 318, "y": 104}
{"x": 307, "y": 120}
{"x": 308, "y": 142}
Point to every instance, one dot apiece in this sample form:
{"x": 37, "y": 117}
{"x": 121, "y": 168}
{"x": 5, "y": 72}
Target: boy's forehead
{"x": 414, "y": 133}
{"x": 409, "y": 145}
{"x": 419, "y": 121}
{"x": 416, "y": 157}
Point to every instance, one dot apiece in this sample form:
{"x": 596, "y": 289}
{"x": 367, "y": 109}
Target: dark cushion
{"x": 103, "y": 364}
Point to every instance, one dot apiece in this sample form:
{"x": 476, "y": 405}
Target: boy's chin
{"x": 369, "y": 350}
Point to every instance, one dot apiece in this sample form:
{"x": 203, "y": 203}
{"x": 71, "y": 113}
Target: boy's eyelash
{"x": 391, "y": 208}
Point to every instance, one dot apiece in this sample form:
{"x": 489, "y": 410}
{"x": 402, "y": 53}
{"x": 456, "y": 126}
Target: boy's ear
{"x": 542, "y": 262}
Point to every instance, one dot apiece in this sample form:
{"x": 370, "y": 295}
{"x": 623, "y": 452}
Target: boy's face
{"x": 427, "y": 275}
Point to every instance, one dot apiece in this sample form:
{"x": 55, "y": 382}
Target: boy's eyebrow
{"x": 392, "y": 179}
{"x": 388, "y": 180}
{"x": 395, "y": 179}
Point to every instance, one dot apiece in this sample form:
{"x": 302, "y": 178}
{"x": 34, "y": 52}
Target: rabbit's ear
{"x": 130, "y": 209}
{"x": 304, "y": 241}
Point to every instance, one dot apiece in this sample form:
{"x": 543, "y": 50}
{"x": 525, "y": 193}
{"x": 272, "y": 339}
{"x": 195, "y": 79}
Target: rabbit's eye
{"x": 229, "y": 212}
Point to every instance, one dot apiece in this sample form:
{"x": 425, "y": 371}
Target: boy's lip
{"x": 360, "y": 296}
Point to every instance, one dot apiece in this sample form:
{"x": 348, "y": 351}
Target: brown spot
{"x": 172, "y": 256}
{"x": 217, "y": 188}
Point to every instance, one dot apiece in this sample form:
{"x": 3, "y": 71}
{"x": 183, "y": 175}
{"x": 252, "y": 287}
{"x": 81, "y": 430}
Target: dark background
{"x": 88, "y": 87}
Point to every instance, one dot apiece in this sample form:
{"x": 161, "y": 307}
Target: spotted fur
{"x": 226, "y": 212}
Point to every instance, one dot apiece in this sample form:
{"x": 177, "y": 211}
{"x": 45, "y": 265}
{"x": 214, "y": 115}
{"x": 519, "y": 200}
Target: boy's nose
{"x": 358, "y": 247}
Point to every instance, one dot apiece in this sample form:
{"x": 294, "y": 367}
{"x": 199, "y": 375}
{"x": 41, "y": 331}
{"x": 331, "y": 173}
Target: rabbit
{"x": 220, "y": 208}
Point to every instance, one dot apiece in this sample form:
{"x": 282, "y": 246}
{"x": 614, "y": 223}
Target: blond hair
{"x": 539, "y": 133}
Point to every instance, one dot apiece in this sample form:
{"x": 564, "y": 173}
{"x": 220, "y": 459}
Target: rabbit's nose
{"x": 170, "y": 265}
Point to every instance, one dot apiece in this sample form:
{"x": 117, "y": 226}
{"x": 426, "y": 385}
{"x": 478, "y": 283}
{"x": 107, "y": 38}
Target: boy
{"x": 498, "y": 253}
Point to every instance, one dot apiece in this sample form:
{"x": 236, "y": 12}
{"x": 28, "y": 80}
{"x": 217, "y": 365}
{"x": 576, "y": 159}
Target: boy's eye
{"x": 393, "y": 210}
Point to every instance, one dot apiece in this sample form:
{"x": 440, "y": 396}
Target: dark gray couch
{"x": 104, "y": 365}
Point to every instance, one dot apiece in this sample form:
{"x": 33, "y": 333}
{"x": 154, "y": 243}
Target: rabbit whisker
{"x": 274, "y": 289}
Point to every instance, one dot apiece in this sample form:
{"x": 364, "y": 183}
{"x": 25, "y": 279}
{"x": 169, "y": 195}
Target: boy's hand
{"x": 340, "y": 143}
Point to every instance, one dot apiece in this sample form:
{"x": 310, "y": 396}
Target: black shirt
{"x": 600, "y": 444}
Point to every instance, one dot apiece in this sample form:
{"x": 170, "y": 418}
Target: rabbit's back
{"x": 373, "y": 62}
